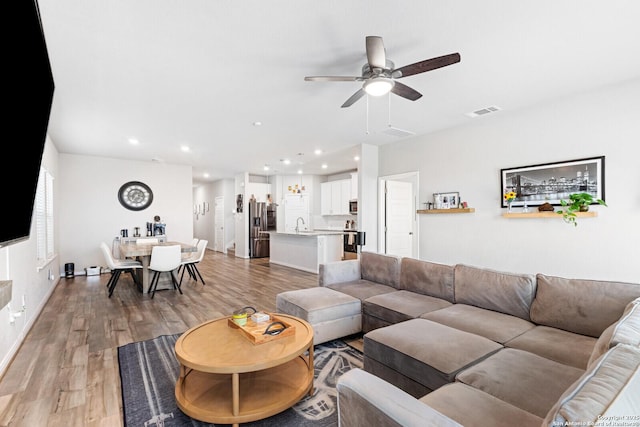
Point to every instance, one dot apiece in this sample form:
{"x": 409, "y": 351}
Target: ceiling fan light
{"x": 378, "y": 86}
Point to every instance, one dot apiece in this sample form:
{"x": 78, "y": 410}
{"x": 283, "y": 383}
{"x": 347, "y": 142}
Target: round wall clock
{"x": 135, "y": 195}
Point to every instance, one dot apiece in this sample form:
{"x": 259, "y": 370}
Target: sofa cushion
{"x": 472, "y": 407}
{"x": 425, "y": 351}
{"x": 380, "y": 268}
{"x": 361, "y": 289}
{"x": 365, "y": 400}
{"x": 338, "y": 272}
{"x": 607, "y": 392}
{"x": 504, "y": 292}
{"x": 625, "y": 331}
{"x": 585, "y": 307}
{"x": 530, "y": 382}
{"x": 555, "y": 344}
{"x": 427, "y": 278}
{"x": 394, "y": 307}
{"x": 498, "y": 327}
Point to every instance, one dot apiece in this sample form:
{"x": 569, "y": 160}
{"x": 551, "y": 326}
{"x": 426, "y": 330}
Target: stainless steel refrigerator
{"x": 259, "y": 225}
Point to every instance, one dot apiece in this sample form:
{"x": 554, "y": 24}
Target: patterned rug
{"x": 149, "y": 370}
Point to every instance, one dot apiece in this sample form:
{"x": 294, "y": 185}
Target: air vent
{"x": 400, "y": 133}
{"x": 484, "y": 111}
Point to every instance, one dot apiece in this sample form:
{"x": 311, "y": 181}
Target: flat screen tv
{"x": 28, "y": 88}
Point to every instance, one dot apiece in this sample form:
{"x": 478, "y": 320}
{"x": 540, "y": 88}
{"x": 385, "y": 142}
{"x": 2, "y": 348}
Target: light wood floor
{"x": 66, "y": 372}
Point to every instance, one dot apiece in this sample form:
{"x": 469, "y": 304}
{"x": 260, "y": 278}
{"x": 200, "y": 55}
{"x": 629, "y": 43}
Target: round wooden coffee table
{"x": 225, "y": 378}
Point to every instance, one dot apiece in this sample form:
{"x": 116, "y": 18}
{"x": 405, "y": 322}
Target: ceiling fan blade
{"x": 375, "y": 52}
{"x": 405, "y": 91}
{"x": 349, "y": 102}
{"x": 332, "y": 79}
{"x": 426, "y": 65}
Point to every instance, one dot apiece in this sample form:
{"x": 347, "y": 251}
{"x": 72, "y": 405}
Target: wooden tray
{"x": 254, "y": 331}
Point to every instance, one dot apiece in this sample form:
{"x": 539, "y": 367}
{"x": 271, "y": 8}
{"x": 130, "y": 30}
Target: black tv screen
{"x": 29, "y": 90}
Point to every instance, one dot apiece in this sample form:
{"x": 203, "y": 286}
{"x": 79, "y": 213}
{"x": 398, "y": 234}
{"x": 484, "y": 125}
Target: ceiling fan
{"x": 380, "y": 76}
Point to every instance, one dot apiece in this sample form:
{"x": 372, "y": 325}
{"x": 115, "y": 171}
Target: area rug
{"x": 149, "y": 370}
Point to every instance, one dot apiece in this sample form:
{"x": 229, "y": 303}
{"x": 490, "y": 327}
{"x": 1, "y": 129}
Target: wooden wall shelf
{"x": 589, "y": 214}
{"x": 446, "y": 211}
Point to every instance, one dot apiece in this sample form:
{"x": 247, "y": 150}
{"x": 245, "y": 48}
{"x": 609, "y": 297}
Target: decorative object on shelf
{"x": 509, "y": 197}
{"x": 525, "y": 208}
{"x": 135, "y": 195}
{"x": 159, "y": 228}
{"x": 546, "y": 207}
{"x": 551, "y": 182}
{"x": 448, "y": 200}
{"x": 578, "y": 202}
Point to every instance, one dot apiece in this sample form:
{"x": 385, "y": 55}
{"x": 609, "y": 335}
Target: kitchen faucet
{"x": 298, "y": 223}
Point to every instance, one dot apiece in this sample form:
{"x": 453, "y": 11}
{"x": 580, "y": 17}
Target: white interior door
{"x": 218, "y": 240}
{"x": 400, "y": 218}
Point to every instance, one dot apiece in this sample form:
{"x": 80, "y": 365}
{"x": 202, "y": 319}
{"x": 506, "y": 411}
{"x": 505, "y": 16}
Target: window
{"x": 43, "y": 211}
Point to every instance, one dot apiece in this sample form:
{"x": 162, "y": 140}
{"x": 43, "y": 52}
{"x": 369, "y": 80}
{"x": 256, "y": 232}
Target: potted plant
{"x": 578, "y": 202}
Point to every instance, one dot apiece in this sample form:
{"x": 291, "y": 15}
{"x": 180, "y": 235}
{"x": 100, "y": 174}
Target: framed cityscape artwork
{"x": 552, "y": 182}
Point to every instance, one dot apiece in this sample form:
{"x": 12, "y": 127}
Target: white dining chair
{"x": 118, "y": 266}
{"x": 190, "y": 264}
{"x": 164, "y": 259}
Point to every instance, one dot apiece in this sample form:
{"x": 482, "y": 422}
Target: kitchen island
{"x": 305, "y": 250}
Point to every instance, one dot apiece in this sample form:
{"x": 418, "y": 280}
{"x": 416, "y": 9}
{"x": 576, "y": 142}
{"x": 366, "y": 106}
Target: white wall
{"x": 89, "y": 210}
{"x": 469, "y": 159}
{"x": 18, "y": 263}
{"x": 241, "y": 219}
{"x": 368, "y": 174}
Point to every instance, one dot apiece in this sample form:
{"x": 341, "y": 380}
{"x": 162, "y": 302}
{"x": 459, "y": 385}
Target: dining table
{"x": 142, "y": 252}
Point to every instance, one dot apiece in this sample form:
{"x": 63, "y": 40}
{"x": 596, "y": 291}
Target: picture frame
{"x": 448, "y": 200}
{"x": 553, "y": 182}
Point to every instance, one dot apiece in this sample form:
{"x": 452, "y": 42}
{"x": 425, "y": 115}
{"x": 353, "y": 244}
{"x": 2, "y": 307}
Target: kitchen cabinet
{"x": 334, "y": 197}
{"x": 354, "y": 186}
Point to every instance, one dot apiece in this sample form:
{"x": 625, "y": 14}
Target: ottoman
{"x": 419, "y": 356}
{"x": 332, "y": 314}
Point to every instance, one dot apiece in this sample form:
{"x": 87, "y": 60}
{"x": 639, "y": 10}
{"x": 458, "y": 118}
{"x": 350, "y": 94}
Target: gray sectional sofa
{"x": 462, "y": 345}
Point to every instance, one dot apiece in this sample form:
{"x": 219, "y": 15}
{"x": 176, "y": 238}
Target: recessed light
{"x": 266, "y": 167}
{"x": 324, "y": 166}
{"x": 317, "y": 152}
{"x": 286, "y": 161}
{"x": 206, "y": 175}
{"x": 185, "y": 148}
{"x": 257, "y": 123}
{"x": 133, "y": 141}
{"x": 356, "y": 158}
{"x": 300, "y": 171}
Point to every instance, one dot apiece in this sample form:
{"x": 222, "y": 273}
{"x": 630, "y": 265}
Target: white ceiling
{"x": 201, "y": 72}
